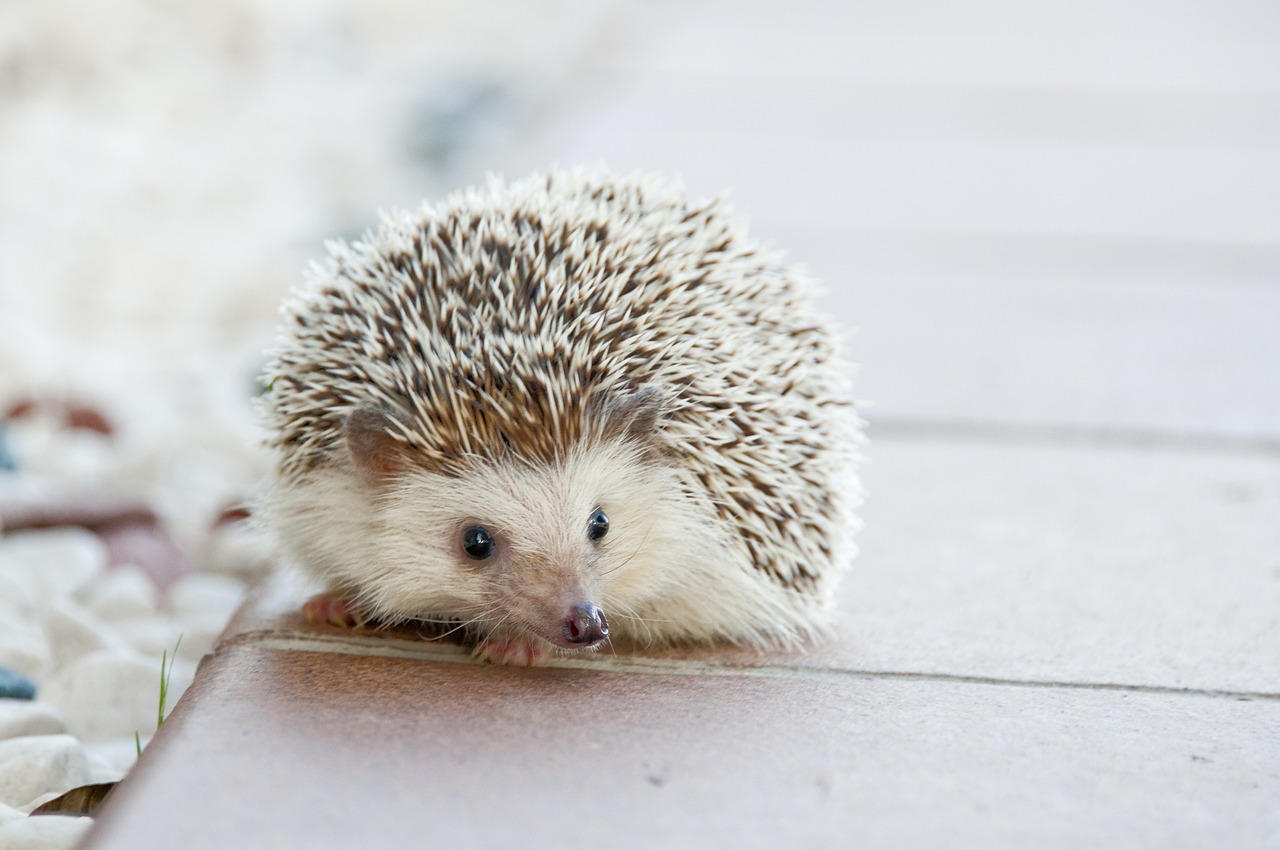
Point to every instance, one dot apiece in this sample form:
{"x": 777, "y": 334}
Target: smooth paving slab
{"x": 325, "y": 746}
{"x": 1086, "y": 334}
{"x": 860, "y": 257}
{"x": 1143, "y": 566}
{"x": 1158, "y": 358}
{"x": 1141, "y": 45}
{"x": 750, "y": 103}
{"x": 944, "y": 184}
{"x": 1002, "y": 119}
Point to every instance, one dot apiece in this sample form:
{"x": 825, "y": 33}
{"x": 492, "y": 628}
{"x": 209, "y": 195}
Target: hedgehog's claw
{"x": 514, "y": 651}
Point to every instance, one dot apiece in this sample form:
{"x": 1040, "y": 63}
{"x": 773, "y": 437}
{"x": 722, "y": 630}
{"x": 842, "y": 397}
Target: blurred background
{"x": 1024, "y": 210}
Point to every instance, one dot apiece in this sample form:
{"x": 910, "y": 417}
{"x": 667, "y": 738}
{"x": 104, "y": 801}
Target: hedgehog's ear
{"x": 378, "y": 456}
{"x": 632, "y": 415}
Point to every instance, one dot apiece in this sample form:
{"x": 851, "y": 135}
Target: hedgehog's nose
{"x": 585, "y": 626}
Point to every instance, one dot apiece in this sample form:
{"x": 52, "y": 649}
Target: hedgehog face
{"x": 550, "y": 549}
{"x": 560, "y": 552}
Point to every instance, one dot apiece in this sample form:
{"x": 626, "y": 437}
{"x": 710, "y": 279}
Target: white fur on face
{"x": 544, "y": 561}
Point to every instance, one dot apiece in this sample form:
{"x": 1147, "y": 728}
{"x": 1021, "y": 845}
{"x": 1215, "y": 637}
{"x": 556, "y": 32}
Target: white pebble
{"x": 22, "y": 635}
{"x": 43, "y": 832}
{"x": 182, "y": 672}
{"x": 120, "y": 593}
{"x": 150, "y": 637}
{"x": 23, "y": 648}
{"x": 73, "y": 632}
{"x": 205, "y": 595}
{"x": 19, "y": 717}
{"x": 19, "y": 590}
{"x": 56, "y": 561}
{"x": 198, "y": 638}
{"x": 103, "y": 695}
{"x": 109, "y": 761}
{"x": 40, "y": 764}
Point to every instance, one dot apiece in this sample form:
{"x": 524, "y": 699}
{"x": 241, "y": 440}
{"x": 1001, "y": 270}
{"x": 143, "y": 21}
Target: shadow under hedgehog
{"x": 560, "y": 409}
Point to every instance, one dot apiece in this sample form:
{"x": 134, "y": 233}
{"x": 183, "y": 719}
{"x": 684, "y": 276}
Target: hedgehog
{"x": 562, "y": 411}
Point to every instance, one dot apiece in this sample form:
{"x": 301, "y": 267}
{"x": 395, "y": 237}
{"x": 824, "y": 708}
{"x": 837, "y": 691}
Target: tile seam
{"x": 454, "y": 654}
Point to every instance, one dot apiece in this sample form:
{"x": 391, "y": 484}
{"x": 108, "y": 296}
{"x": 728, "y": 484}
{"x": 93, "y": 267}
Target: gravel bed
{"x": 96, "y": 592}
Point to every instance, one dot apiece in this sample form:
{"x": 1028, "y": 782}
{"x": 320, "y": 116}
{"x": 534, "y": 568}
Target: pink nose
{"x": 585, "y": 626}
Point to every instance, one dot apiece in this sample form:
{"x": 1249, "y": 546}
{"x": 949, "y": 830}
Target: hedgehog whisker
{"x": 443, "y": 622}
{"x": 493, "y": 606}
{"x": 633, "y": 616}
{"x": 462, "y": 624}
{"x": 459, "y": 627}
{"x": 638, "y": 618}
{"x": 498, "y": 625}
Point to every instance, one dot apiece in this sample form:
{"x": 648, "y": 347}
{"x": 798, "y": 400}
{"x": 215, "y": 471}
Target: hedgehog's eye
{"x": 477, "y": 542}
{"x": 597, "y": 525}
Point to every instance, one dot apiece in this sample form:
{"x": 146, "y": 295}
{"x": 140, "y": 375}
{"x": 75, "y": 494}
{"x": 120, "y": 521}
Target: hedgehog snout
{"x": 585, "y": 626}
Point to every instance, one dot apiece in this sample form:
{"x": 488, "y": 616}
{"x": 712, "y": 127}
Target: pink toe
{"x": 514, "y": 651}
{"x": 324, "y": 609}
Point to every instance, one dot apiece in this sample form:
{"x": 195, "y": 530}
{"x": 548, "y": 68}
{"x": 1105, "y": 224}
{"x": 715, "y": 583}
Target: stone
{"x": 44, "y": 832}
{"x": 14, "y": 686}
{"x": 182, "y": 672}
{"x": 67, "y": 413}
{"x": 147, "y": 545}
{"x": 75, "y": 507}
{"x": 105, "y": 695}
{"x": 19, "y": 601}
{"x": 110, "y": 760}
{"x": 199, "y": 636}
{"x": 150, "y": 637}
{"x": 121, "y": 593}
{"x": 72, "y": 632}
{"x": 19, "y": 590}
{"x": 202, "y": 595}
{"x": 40, "y": 764}
{"x": 19, "y": 718}
{"x": 7, "y": 463}
{"x": 56, "y": 561}
{"x": 23, "y": 648}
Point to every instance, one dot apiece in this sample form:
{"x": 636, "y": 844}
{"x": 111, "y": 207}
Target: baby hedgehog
{"x": 572, "y": 407}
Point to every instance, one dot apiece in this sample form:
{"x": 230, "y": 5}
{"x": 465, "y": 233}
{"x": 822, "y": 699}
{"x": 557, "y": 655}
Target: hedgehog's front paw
{"x": 514, "y": 651}
{"x": 325, "y": 609}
